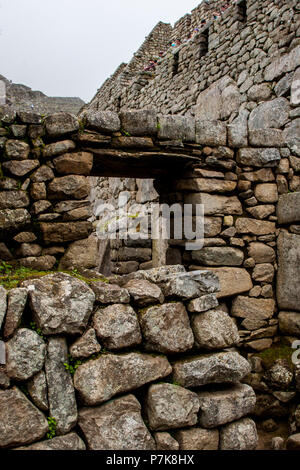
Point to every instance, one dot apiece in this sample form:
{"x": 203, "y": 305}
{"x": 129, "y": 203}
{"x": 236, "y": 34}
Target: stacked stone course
{"x": 98, "y": 324}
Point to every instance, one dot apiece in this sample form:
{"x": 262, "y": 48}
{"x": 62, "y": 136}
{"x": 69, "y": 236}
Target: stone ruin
{"x": 140, "y": 344}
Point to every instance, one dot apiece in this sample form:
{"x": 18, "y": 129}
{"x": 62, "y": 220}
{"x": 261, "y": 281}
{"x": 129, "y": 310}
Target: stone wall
{"x": 92, "y": 365}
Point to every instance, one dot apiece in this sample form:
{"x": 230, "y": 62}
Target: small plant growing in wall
{"x": 72, "y": 365}
{"x": 52, "y": 424}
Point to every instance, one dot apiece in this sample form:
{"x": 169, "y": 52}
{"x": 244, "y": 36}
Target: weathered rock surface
{"x": 291, "y": 136}
{"x": 272, "y": 114}
{"x": 13, "y": 199}
{"x": 255, "y": 227}
{"x": 166, "y": 328}
{"x": 250, "y": 308}
{"x": 25, "y": 354}
{"x": 117, "y": 326}
{"x": 64, "y": 232}
{"x": 259, "y": 157}
{"x": 71, "y": 186}
{"x": 86, "y": 345}
{"x": 214, "y": 330}
{"x": 60, "y": 303}
{"x": 170, "y": 407}
{"x": 289, "y": 323}
{"x": 224, "y": 367}
{"x": 14, "y": 219}
{"x": 61, "y": 123}
{"x": 37, "y": 388}
{"x": 110, "y": 293}
{"x": 223, "y": 406}
{"x": 241, "y": 435}
{"x": 216, "y": 205}
{"x": 288, "y": 293}
{"x": 3, "y": 304}
{"x": 139, "y": 122}
{"x": 79, "y": 163}
{"x": 198, "y": 439}
{"x": 293, "y": 442}
{"x": 61, "y": 393}
{"x": 144, "y": 292}
{"x": 261, "y": 253}
{"x": 20, "y": 168}
{"x": 102, "y": 121}
{"x": 116, "y": 425}
{"x": 16, "y": 150}
{"x": 20, "y": 421}
{"x": 181, "y": 287}
{"x": 233, "y": 281}
{"x": 99, "y": 380}
{"x": 288, "y": 208}
{"x": 81, "y": 253}
{"x": 219, "y": 256}
{"x": 15, "y": 306}
{"x": 68, "y": 442}
{"x": 58, "y": 148}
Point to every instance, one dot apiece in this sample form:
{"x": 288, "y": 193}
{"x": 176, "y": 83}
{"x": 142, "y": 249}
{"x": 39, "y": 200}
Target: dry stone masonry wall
{"x": 122, "y": 368}
{"x": 224, "y": 133}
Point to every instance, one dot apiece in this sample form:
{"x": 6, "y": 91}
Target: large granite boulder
{"x": 271, "y": 114}
{"x": 13, "y": 199}
{"x": 214, "y": 330}
{"x": 16, "y": 150}
{"x": 144, "y": 292}
{"x": 61, "y": 124}
{"x": 224, "y": 367}
{"x": 288, "y": 277}
{"x": 170, "y": 407}
{"x": 86, "y": 345}
{"x": 20, "y": 421}
{"x": 71, "y": 186}
{"x": 255, "y": 309}
{"x": 60, "y": 303}
{"x": 116, "y": 425}
{"x": 219, "y": 256}
{"x": 68, "y": 442}
{"x": 198, "y": 439}
{"x": 166, "y": 328}
{"x": 99, "y": 380}
{"x": 17, "y": 299}
{"x": 224, "y": 406}
{"x": 240, "y": 435}
{"x": 233, "y": 281}
{"x": 289, "y": 323}
{"x": 37, "y": 389}
{"x": 81, "y": 254}
{"x": 3, "y": 304}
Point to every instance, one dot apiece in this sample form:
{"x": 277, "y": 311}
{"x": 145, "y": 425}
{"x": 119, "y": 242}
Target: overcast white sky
{"x": 69, "y": 47}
